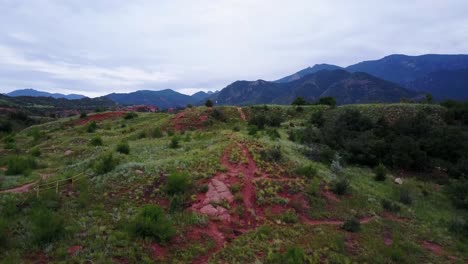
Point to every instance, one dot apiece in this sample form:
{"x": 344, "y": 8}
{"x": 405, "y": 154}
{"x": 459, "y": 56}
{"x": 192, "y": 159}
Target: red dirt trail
{"x": 21, "y": 189}
{"x": 242, "y": 115}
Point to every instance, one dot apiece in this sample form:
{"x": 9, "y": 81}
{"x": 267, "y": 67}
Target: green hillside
{"x": 258, "y": 184}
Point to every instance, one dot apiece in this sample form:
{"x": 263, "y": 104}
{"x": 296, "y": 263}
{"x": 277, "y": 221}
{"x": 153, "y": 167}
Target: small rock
{"x": 68, "y": 152}
{"x": 139, "y": 172}
{"x": 398, "y": 181}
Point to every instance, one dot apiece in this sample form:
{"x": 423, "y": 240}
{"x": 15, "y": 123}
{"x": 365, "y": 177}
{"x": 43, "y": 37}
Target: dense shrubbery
{"x": 91, "y": 127}
{"x": 20, "y": 165}
{"x": 106, "y": 163}
{"x": 3, "y": 233}
{"x": 264, "y": 117}
{"x": 96, "y": 141}
{"x": 380, "y": 172}
{"x": 177, "y": 183}
{"x": 130, "y": 115}
{"x": 416, "y": 142}
{"x": 46, "y": 226}
{"x": 272, "y": 154}
{"x": 157, "y": 133}
{"x": 307, "y": 171}
{"x": 293, "y": 255}
{"x": 123, "y": 148}
{"x": 352, "y": 225}
{"x": 152, "y": 222}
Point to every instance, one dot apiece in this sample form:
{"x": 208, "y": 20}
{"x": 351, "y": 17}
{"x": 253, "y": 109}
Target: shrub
{"x": 352, "y": 225}
{"x": 299, "y": 101}
{"x": 91, "y": 127}
{"x": 327, "y": 101}
{"x": 405, "y": 196}
{"x": 123, "y": 148}
{"x": 20, "y": 165}
{"x": 157, "y": 133}
{"x": 294, "y": 255}
{"x": 219, "y": 115}
{"x": 317, "y": 118}
{"x": 272, "y": 154}
{"x": 380, "y": 172}
{"x": 459, "y": 226}
{"x": 130, "y": 115}
{"x": 152, "y": 222}
{"x": 336, "y": 166}
{"x": 289, "y": 217}
{"x": 307, "y": 171}
{"x": 390, "y": 206}
{"x": 177, "y": 183}
{"x": 3, "y": 233}
{"x": 273, "y": 134}
{"x": 458, "y": 194}
{"x": 340, "y": 186}
{"x": 6, "y": 127}
{"x": 177, "y": 202}
{"x": 46, "y": 226}
{"x": 96, "y": 141}
{"x": 252, "y": 130}
{"x": 209, "y": 103}
{"x": 105, "y": 163}
{"x": 174, "y": 142}
{"x": 36, "y": 152}
{"x": 141, "y": 135}
{"x": 83, "y": 115}
{"x": 313, "y": 188}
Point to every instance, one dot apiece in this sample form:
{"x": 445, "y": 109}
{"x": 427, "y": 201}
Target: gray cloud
{"x": 98, "y": 47}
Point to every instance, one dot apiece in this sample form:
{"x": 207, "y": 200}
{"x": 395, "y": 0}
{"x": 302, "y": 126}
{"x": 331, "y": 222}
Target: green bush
{"x": 390, "y": 206}
{"x": 458, "y": 193}
{"x": 91, "y": 127}
{"x": 96, "y": 141}
{"x": 123, "y": 148}
{"x": 307, "y": 171}
{"x": 340, "y": 186}
{"x": 299, "y": 101}
{"x": 46, "y": 226}
{"x": 152, "y": 222}
{"x": 209, "y": 103}
{"x": 157, "y": 133}
{"x": 380, "y": 172}
{"x": 174, "y": 142}
{"x": 289, "y": 217}
{"x": 313, "y": 188}
{"x": 177, "y": 202}
{"x": 105, "y": 163}
{"x": 83, "y": 115}
{"x": 293, "y": 255}
{"x": 20, "y": 165}
{"x": 459, "y": 226}
{"x": 352, "y": 225}
{"x": 36, "y": 152}
{"x": 252, "y": 130}
{"x": 130, "y": 115}
{"x": 271, "y": 154}
{"x": 405, "y": 196}
{"x": 177, "y": 183}
{"x": 3, "y": 233}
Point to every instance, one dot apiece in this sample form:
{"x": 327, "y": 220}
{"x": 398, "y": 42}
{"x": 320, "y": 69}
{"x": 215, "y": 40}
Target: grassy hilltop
{"x": 257, "y": 184}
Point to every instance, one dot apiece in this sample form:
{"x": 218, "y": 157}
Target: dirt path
{"x": 308, "y": 221}
{"x": 242, "y": 115}
{"x": 21, "y": 189}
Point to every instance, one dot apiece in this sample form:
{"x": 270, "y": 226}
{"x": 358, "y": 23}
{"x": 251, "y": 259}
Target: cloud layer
{"x": 99, "y": 47}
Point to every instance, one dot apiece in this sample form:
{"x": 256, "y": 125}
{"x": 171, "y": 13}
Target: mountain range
{"x": 346, "y": 87}
{"x": 35, "y": 93}
{"x": 384, "y": 80}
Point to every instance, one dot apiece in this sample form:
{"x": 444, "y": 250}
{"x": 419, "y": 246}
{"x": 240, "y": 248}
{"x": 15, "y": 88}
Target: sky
{"x": 97, "y": 47}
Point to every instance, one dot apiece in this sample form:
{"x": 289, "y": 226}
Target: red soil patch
{"x": 73, "y": 250}
{"x": 391, "y": 216}
{"x": 387, "y": 238}
{"x": 37, "y": 258}
{"x": 189, "y": 119}
{"x": 99, "y": 117}
{"x": 331, "y": 196}
{"x": 433, "y": 247}
{"x": 352, "y": 244}
{"x": 158, "y": 252}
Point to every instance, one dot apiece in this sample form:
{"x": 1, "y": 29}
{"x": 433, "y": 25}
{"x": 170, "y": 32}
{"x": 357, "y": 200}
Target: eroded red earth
{"x": 99, "y": 117}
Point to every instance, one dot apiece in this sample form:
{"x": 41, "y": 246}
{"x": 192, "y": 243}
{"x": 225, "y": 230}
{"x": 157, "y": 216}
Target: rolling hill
{"x": 163, "y": 99}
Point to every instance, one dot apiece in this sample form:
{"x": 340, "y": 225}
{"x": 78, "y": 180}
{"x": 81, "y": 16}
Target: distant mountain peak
{"x": 309, "y": 70}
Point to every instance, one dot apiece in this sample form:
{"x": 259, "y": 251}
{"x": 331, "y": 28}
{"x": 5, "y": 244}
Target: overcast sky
{"x": 95, "y": 47}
